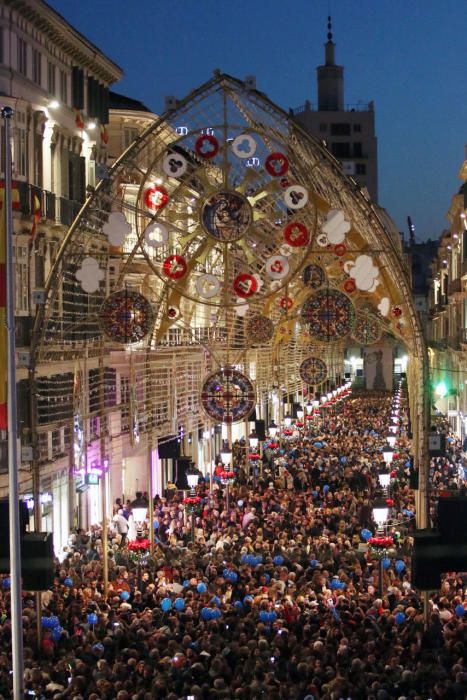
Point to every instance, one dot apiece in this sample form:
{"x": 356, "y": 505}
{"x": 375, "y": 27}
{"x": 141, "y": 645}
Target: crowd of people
{"x": 280, "y": 595}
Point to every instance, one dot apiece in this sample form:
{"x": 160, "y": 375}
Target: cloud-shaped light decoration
{"x": 116, "y": 228}
{"x": 156, "y": 235}
{"x": 335, "y": 227}
{"x": 89, "y": 274}
{"x": 383, "y": 306}
{"x": 241, "y": 308}
{"x": 364, "y": 272}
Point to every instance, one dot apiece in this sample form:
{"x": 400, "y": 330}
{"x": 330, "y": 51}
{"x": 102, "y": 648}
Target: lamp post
{"x": 288, "y": 420}
{"x": 388, "y": 455}
{"x": 139, "y": 509}
{"x": 192, "y": 478}
{"x": 380, "y": 516}
{"x": 272, "y": 429}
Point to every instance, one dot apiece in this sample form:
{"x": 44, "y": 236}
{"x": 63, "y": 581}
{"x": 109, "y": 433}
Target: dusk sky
{"x": 409, "y": 57}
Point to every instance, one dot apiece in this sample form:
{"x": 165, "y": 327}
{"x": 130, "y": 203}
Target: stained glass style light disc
{"x": 260, "y": 329}
{"x": 329, "y": 315}
{"x": 126, "y": 316}
{"x": 367, "y": 329}
{"x": 313, "y": 370}
{"x": 228, "y": 396}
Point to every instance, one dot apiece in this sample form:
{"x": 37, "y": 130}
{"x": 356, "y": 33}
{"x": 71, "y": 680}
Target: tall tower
{"x": 330, "y": 79}
{"x": 347, "y": 130}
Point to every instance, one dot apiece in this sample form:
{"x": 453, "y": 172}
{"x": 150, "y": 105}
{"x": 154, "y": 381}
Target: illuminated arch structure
{"x": 222, "y": 217}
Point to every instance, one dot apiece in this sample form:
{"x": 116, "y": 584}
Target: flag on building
{"x": 79, "y": 121}
{"x": 36, "y": 217}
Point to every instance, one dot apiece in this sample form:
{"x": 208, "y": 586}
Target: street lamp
{"x": 380, "y": 512}
{"x": 300, "y": 413}
{"x": 192, "y": 479}
{"x": 226, "y": 453}
{"x": 139, "y": 508}
{"x": 288, "y": 420}
{"x": 391, "y": 440}
{"x": 272, "y": 429}
{"x": 388, "y": 455}
{"x": 309, "y": 406}
{"x": 384, "y": 479}
{"x": 253, "y": 440}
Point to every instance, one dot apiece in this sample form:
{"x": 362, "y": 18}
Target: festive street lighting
{"x": 388, "y": 454}
{"x": 192, "y": 477}
{"x": 272, "y": 429}
{"x": 139, "y": 508}
{"x": 253, "y": 440}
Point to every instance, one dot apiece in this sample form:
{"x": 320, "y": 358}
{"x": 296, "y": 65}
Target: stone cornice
{"x": 57, "y": 29}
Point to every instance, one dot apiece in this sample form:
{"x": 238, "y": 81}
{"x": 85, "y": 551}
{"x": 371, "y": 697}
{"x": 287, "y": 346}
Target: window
{"x": 37, "y": 66}
{"x": 357, "y": 128}
{"x": 20, "y": 146}
{"x": 22, "y": 56}
{"x": 21, "y": 279}
{"x": 360, "y": 169}
{"x": 64, "y": 87}
{"x": 340, "y": 150}
{"x": 130, "y": 134}
{"x": 51, "y": 78}
{"x": 323, "y": 127}
{"x": 357, "y": 150}
{"x": 340, "y": 129}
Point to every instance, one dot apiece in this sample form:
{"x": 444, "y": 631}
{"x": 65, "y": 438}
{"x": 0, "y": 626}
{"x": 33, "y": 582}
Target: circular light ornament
{"x": 313, "y": 370}
{"x": 174, "y": 165}
{"x": 226, "y": 216}
{"x": 245, "y": 285}
{"x": 259, "y": 329}
{"x": 156, "y": 235}
{"x": 175, "y": 267}
{"x": 328, "y": 314}
{"x": 296, "y": 234}
{"x": 156, "y": 197}
{"x": 207, "y": 146}
{"x": 277, "y": 267}
{"x": 366, "y": 329}
{"x": 207, "y": 286}
{"x": 276, "y": 164}
{"x": 244, "y": 146}
{"x": 228, "y": 396}
{"x": 296, "y": 197}
{"x": 126, "y": 316}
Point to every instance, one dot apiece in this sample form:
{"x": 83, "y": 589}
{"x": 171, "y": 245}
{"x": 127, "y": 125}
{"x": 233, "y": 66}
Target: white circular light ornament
{"x": 207, "y": 286}
{"x": 277, "y": 267}
{"x": 322, "y": 240}
{"x": 244, "y": 146}
{"x": 296, "y": 197}
{"x": 258, "y": 279}
{"x": 156, "y": 235}
{"x": 174, "y": 165}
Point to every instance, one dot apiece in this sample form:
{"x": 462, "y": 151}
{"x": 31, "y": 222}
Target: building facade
{"x": 347, "y": 130}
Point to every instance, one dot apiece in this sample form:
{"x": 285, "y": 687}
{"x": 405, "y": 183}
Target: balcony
{"x": 455, "y": 286}
{"x": 58, "y": 210}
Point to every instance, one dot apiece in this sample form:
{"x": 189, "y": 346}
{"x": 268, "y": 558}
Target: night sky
{"x": 407, "y": 56}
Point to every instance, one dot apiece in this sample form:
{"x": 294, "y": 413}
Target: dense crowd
{"x": 280, "y": 596}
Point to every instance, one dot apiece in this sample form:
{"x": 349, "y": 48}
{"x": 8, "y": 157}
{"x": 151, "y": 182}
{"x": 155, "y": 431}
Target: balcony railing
{"x": 60, "y": 210}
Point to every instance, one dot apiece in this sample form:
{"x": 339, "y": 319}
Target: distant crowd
{"x": 282, "y": 596}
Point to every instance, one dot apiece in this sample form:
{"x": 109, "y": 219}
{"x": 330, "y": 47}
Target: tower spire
{"x": 330, "y": 78}
{"x": 329, "y": 28}
{"x": 329, "y": 46}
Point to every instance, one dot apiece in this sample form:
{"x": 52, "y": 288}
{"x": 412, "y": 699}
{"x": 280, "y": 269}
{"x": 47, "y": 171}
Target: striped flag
{"x": 36, "y": 217}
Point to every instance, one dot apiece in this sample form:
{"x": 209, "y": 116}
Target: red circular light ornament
{"x": 340, "y": 249}
{"x": 286, "y": 303}
{"x": 349, "y": 286}
{"x": 175, "y": 267}
{"x": 156, "y": 197}
{"x": 296, "y": 234}
{"x": 397, "y": 311}
{"x": 207, "y": 146}
{"x": 245, "y": 285}
{"x": 276, "y": 164}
